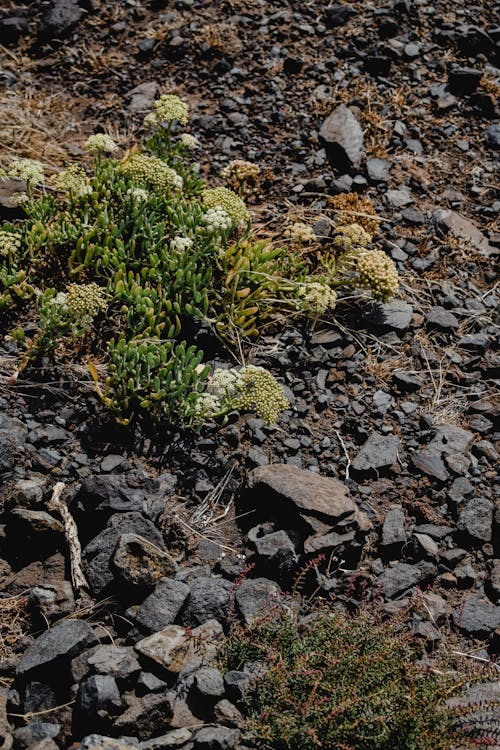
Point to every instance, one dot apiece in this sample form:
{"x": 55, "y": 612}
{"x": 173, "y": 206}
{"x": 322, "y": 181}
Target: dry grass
{"x": 14, "y": 623}
{"x": 39, "y": 125}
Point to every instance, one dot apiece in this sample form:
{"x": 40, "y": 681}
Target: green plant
{"x": 144, "y": 239}
{"x": 343, "y": 683}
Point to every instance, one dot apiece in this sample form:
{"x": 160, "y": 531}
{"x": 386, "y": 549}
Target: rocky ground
{"x": 383, "y": 471}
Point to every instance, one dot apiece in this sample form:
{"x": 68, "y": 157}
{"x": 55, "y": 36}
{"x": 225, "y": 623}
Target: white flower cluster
{"x": 99, "y": 143}
{"x": 29, "y": 170}
{"x": 181, "y": 243}
{"x": 138, "y": 194}
{"x": 10, "y": 242}
{"x": 73, "y": 180}
{"x": 189, "y": 141}
{"x": 224, "y": 383}
{"x": 300, "y": 232}
{"x": 216, "y": 219}
{"x": 207, "y": 406}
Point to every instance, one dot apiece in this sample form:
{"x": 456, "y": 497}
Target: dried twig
{"x": 75, "y": 551}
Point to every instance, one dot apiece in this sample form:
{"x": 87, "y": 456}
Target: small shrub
{"x": 343, "y": 683}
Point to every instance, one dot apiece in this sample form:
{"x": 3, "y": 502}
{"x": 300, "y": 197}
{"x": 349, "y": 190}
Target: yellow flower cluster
{"x": 100, "y": 143}
{"x": 84, "y": 302}
{"x": 73, "y": 180}
{"x": 239, "y": 172}
{"x": 10, "y": 242}
{"x": 152, "y": 171}
{"x": 317, "y": 298}
{"x": 29, "y": 170}
{"x": 231, "y": 203}
{"x": 168, "y": 107}
{"x": 350, "y": 237}
{"x": 260, "y": 392}
{"x": 300, "y": 232}
{"x": 377, "y": 272}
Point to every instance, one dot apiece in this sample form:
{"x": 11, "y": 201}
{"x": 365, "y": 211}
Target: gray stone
{"x": 344, "y": 138}
{"x": 8, "y": 451}
{"x": 463, "y": 229}
{"x": 37, "y": 696}
{"x": 426, "y": 545}
{"x": 399, "y": 579}
{"x": 284, "y": 485}
{"x": 142, "y": 97}
{"x": 475, "y": 342}
{"x": 57, "y": 646}
{"x": 477, "y": 617}
{"x": 378, "y": 169}
{"x": 476, "y": 518}
{"x": 216, "y": 738}
{"x": 34, "y": 732}
{"x": 463, "y": 81}
{"x": 237, "y": 684}
{"x": 119, "y": 662}
{"x": 442, "y": 319}
{"x": 61, "y": 17}
{"x": 407, "y": 382}
{"x": 144, "y": 716}
{"x": 207, "y": 600}
{"x": 99, "y": 552}
{"x": 393, "y": 530}
{"x": 492, "y": 136}
{"x": 451, "y": 439}
{"x": 255, "y": 596}
{"x": 172, "y": 647}
{"x": 175, "y": 738}
{"x": 494, "y": 581}
{"x": 379, "y": 452}
{"x": 99, "y": 742}
{"x": 399, "y": 198}
{"x": 163, "y": 605}
{"x": 97, "y": 695}
{"x": 391, "y": 316}
{"x": 209, "y": 683}
{"x": 430, "y": 462}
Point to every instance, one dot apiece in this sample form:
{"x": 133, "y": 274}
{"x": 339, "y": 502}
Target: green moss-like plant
{"x": 344, "y": 683}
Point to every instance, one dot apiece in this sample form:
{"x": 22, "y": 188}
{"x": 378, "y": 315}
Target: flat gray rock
{"x": 57, "y": 645}
{"x": 379, "y": 452}
{"x": 463, "y": 229}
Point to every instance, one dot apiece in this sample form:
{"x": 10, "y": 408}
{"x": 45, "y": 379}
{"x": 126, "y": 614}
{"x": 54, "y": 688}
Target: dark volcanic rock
{"x": 402, "y": 577}
{"x": 430, "y": 462}
{"x": 476, "y": 518}
{"x": 61, "y": 17}
{"x": 98, "y": 554}
{"x": 57, "y": 646}
{"x": 477, "y": 617}
{"x": 338, "y": 15}
{"x": 207, "y": 600}
{"x": 139, "y": 563}
{"x": 463, "y": 81}
{"x": 379, "y": 452}
{"x": 163, "y": 605}
{"x": 255, "y": 596}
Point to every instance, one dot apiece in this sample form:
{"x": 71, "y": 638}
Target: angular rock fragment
{"x": 57, "y": 646}
{"x": 344, "y": 139}
{"x": 379, "y": 452}
{"x": 463, "y": 229}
